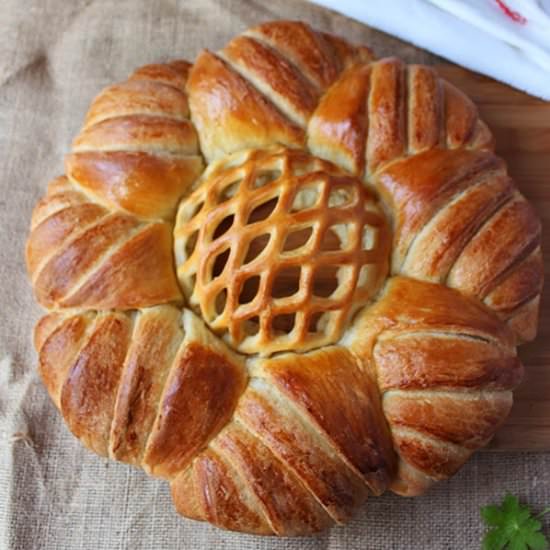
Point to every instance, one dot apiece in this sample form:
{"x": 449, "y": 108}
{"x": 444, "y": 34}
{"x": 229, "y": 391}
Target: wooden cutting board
{"x": 521, "y": 125}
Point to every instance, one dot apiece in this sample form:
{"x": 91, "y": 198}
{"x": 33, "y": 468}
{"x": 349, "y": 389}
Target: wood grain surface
{"x": 521, "y": 125}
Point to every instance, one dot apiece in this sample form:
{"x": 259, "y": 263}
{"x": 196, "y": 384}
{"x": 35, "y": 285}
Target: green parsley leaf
{"x": 513, "y": 527}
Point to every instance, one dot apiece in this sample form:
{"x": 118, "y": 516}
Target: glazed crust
{"x": 80, "y": 254}
{"x": 263, "y": 87}
{"x": 419, "y": 142}
{"x": 255, "y": 207}
{"x": 150, "y": 388}
{"x": 382, "y": 111}
{"x": 445, "y": 367}
{"x": 102, "y": 236}
{"x": 293, "y": 409}
{"x": 284, "y": 433}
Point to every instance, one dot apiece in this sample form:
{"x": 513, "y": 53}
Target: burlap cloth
{"x": 55, "y": 55}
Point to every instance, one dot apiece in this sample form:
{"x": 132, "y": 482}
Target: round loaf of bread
{"x": 284, "y": 278}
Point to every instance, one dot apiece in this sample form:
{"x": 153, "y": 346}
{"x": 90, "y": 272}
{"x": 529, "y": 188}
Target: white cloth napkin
{"x": 508, "y": 40}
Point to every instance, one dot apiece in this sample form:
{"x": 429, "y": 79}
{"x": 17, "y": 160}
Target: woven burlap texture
{"x": 54, "y": 57}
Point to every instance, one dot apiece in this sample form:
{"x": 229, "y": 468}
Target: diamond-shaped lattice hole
{"x": 252, "y": 326}
{"x": 219, "y": 263}
{"x": 370, "y": 234}
{"x": 336, "y": 237}
{"x": 191, "y": 243}
{"x": 223, "y": 227}
{"x": 256, "y": 247}
{"x": 266, "y": 176}
{"x": 249, "y": 290}
{"x": 196, "y": 208}
{"x": 318, "y": 321}
{"x": 262, "y": 211}
{"x": 220, "y": 301}
{"x": 286, "y": 282}
{"x": 325, "y": 281}
{"x": 229, "y": 191}
{"x": 341, "y": 197}
{"x": 297, "y": 239}
{"x": 305, "y": 198}
{"x": 284, "y": 322}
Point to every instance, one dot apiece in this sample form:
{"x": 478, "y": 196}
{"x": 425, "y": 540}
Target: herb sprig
{"x": 512, "y": 526}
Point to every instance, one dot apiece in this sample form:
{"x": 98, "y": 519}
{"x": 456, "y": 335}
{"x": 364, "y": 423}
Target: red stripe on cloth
{"x": 513, "y": 15}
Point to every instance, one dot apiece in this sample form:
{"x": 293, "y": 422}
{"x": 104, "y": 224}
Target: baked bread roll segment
{"x": 325, "y": 309}
{"x": 262, "y": 88}
{"x": 147, "y": 387}
{"x": 102, "y": 236}
{"x": 445, "y": 368}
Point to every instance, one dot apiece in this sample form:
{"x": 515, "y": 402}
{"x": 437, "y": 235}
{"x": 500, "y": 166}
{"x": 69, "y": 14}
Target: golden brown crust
{"x": 420, "y": 143}
{"x": 166, "y": 136}
{"x": 423, "y": 362}
{"x": 198, "y": 400}
{"x": 338, "y": 131}
{"x": 290, "y": 437}
{"x": 156, "y": 338}
{"x": 390, "y": 379}
{"x": 509, "y": 235}
{"x": 445, "y": 366}
{"x": 59, "y": 339}
{"x": 81, "y": 255}
{"x": 50, "y": 235}
{"x": 318, "y": 56}
{"x": 315, "y": 286}
{"x": 386, "y": 113}
{"x": 525, "y": 318}
{"x": 210, "y": 490}
{"x": 173, "y": 73}
{"x": 101, "y": 237}
{"x": 132, "y": 386}
{"x": 264, "y": 85}
{"x": 89, "y": 390}
{"x": 136, "y": 275}
{"x": 138, "y": 97}
{"x": 458, "y": 220}
{"x": 139, "y": 183}
{"x": 465, "y": 420}
{"x": 138, "y": 150}
{"x": 377, "y": 113}
{"x": 419, "y": 188}
{"x": 289, "y": 508}
{"x": 318, "y": 383}
{"x": 302, "y": 46}
{"x": 244, "y": 117}
{"x": 272, "y": 74}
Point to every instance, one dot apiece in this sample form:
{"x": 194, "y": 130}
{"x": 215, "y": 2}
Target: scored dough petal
{"x": 446, "y": 367}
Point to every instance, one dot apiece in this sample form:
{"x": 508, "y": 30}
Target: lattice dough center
{"x": 277, "y": 249}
